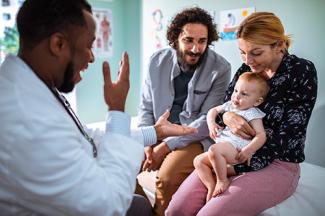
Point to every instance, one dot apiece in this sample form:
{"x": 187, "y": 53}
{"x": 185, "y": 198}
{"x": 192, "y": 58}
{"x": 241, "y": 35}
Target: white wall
{"x": 303, "y": 19}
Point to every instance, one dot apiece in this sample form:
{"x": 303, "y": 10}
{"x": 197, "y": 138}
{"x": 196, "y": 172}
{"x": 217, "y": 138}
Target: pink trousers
{"x": 249, "y": 194}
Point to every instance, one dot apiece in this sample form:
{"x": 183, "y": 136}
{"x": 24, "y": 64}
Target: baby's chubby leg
{"x": 204, "y": 169}
{"x": 220, "y": 155}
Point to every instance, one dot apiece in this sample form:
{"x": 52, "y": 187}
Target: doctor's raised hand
{"x": 115, "y": 94}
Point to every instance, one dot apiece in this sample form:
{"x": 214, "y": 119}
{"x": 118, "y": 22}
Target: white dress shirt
{"x": 46, "y": 164}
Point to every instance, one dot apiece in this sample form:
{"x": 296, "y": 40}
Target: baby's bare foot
{"x": 209, "y": 194}
{"x": 221, "y": 187}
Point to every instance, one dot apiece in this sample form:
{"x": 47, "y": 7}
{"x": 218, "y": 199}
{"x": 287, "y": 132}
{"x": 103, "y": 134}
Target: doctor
{"x": 49, "y": 163}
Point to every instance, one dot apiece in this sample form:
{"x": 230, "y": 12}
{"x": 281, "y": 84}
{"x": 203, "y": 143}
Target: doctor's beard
{"x": 68, "y": 83}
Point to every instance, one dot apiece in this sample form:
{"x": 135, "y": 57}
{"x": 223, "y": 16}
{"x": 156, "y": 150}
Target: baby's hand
{"x": 214, "y": 130}
{"x": 218, "y": 131}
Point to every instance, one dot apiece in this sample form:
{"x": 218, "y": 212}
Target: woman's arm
{"x": 257, "y": 142}
{"x": 238, "y": 125}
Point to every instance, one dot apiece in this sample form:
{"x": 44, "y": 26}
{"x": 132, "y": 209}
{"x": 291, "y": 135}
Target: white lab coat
{"x": 46, "y": 165}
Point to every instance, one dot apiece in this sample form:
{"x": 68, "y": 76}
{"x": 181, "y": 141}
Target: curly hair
{"x": 191, "y": 15}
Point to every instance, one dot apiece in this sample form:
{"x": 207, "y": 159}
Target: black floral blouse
{"x": 288, "y": 107}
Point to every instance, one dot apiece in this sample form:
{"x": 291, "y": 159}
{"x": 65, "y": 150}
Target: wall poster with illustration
{"x": 8, "y": 32}
{"x": 230, "y": 20}
{"x": 103, "y": 45}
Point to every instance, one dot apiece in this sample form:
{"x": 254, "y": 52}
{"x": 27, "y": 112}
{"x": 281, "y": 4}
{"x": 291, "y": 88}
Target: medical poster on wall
{"x": 8, "y": 32}
{"x": 230, "y": 20}
{"x": 103, "y": 45}
{"x": 158, "y": 26}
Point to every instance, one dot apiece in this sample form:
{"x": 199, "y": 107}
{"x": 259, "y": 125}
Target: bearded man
{"x": 187, "y": 78}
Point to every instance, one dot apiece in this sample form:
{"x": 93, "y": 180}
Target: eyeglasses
{"x": 69, "y": 109}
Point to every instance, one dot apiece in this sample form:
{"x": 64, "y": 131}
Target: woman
{"x": 288, "y": 106}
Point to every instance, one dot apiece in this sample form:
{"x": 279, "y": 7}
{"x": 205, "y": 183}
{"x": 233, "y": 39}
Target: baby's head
{"x": 250, "y": 90}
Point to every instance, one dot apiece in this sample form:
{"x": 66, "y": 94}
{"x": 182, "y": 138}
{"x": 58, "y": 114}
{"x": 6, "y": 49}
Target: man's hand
{"x": 238, "y": 125}
{"x": 148, "y": 158}
{"x": 115, "y": 93}
{"x": 164, "y": 128}
{"x": 158, "y": 155}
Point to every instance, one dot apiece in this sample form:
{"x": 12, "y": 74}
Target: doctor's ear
{"x": 58, "y": 43}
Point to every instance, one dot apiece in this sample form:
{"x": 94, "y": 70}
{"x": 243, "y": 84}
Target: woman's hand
{"x": 245, "y": 154}
{"x": 238, "y": 125}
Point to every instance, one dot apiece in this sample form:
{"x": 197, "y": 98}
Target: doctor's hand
{"x": 115, "y": 93}
{"x": 164, "y": 128}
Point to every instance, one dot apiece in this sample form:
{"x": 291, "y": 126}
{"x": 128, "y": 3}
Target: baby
{"x": 249, "y": 92}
